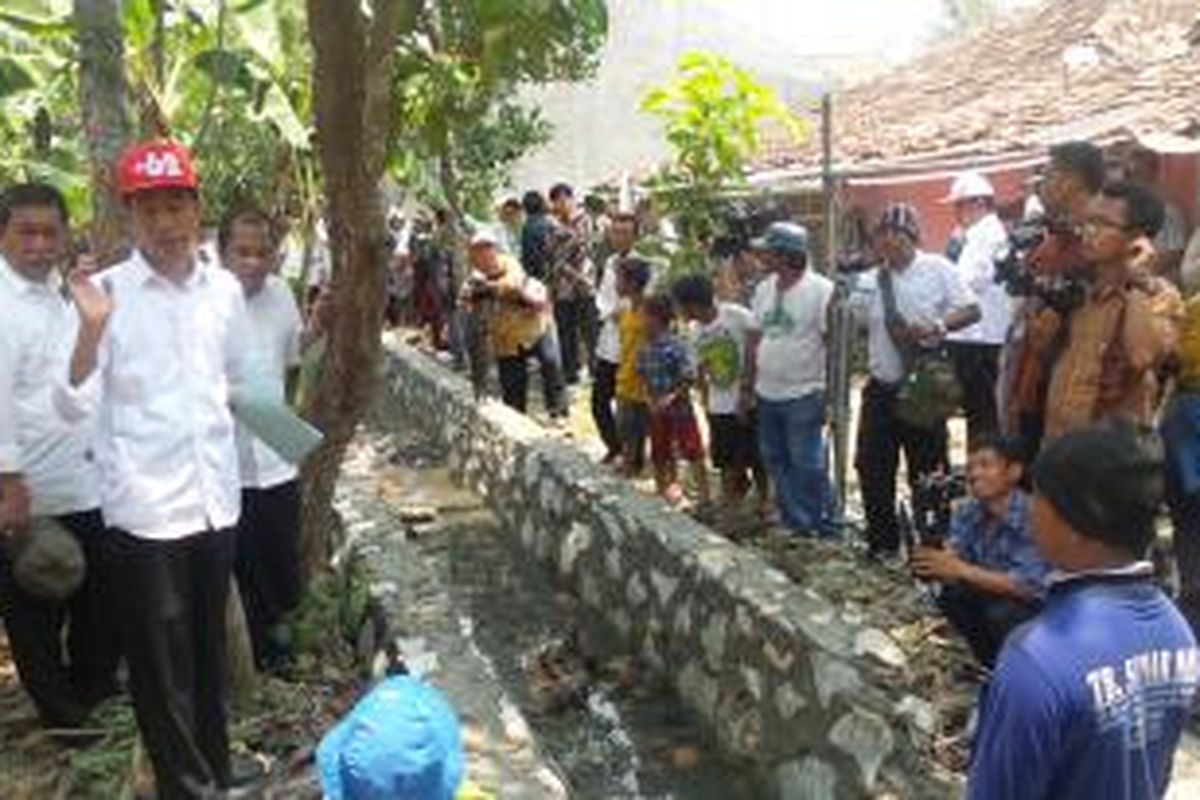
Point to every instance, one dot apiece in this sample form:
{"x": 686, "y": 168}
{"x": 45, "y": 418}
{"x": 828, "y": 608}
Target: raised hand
{"x": 93, "y": 302}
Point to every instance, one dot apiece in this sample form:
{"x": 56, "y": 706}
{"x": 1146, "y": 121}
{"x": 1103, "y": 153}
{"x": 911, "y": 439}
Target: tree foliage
{"x": 713, "y": 113}
{"x": 460, "y": 125}
{"x": 228, "y": 77}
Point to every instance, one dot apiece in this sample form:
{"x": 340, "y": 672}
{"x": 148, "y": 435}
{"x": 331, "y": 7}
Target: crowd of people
{"x": 131, "y": 494}
{"x": 1065, "y": 343}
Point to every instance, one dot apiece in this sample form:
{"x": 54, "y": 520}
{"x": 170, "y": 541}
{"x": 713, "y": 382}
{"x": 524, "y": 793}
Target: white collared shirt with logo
{"x": 171, "y": 357}
{"x": 53, "y": 456}
{"x": 275, "y": 328}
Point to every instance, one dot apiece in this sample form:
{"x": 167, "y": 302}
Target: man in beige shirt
{"x": 1127, "y": 327}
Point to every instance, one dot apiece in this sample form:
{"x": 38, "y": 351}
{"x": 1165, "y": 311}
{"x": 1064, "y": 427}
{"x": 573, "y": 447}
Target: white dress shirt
{"x": 53, "y": 456}
{"x": 275, "y": 328}
{"x": 927, "y": 290}
{"x": 984, "y": 242}
{"x": 169, "y": 361}
{"x": 608, "y": 305}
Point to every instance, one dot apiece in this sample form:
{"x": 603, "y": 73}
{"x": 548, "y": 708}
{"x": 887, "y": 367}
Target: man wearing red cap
{"x": 158, "y": 350}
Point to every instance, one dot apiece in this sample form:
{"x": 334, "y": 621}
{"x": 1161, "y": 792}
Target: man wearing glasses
{"x": 1128, "y": 325}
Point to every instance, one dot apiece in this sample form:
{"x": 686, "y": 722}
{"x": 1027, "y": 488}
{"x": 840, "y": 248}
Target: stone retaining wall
{"x": 781, "y": 676}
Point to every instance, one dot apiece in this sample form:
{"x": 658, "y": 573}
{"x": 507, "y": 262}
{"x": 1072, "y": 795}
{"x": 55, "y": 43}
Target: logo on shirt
{"x": 1137, "y": 695}
{"x": 721, "y": 358}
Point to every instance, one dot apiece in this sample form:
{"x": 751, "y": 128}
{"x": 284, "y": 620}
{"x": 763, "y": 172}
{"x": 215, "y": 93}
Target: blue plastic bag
{"x": 400, "y": 742}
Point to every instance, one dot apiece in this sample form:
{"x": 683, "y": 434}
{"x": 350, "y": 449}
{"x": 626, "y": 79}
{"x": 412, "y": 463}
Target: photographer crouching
{"x": 992, "y": 577}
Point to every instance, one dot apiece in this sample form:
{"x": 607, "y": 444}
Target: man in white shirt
{"x": 47, "y": 469}
{"x": 161, "y": 349}
{"x": 267, "y": 562}
{"x": 931, "y": 300}
{"x": 976, "y": 348}
{"x": 622, "y": 234}
{"x": 785, "y": 378}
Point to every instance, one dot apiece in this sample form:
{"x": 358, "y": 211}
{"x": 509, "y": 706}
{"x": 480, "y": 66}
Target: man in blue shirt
{"x": 991, "y": 574}
{"x": 1088, "y": 700}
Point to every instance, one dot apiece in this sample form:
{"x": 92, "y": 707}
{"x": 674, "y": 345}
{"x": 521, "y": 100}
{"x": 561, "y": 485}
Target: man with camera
{"x": 1128, "y": 325}
{"x": 519, "y": 323}
{"x": 990, "y": 571}
{"x": 1089, "y": 699}
{"x": 1044, "y": 270}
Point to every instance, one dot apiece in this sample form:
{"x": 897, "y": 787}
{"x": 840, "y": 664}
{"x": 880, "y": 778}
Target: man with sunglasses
{"x": 1128, "y": 325}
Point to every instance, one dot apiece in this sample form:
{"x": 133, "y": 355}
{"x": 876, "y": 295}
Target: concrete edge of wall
{"x": 815, "y": 700}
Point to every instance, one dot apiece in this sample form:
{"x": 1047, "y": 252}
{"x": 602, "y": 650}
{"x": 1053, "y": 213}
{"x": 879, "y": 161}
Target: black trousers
{"x": 172, "y": 606}
{"x": 569, "y": 319}
{"x": 267, "y": 564}
{"x": 977, "y": 367}
{"x": 1185, "y": 525}
{"x": 881, "y": 438}
{"x": 514, "y": 377}
{"x": 65, "y": 686}
{"x": 604, "y": 397}
{"x": 984, "y": 620}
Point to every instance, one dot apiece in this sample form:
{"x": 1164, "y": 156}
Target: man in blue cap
{"x": 785, "y": 377}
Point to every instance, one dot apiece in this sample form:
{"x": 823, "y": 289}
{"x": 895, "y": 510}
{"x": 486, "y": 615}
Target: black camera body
{"x": 933, "y": 506}
{"x": 1063, "y": 294}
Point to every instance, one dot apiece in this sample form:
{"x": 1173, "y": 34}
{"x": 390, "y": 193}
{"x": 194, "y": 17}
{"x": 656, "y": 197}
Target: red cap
{"x": 161, "y": 164}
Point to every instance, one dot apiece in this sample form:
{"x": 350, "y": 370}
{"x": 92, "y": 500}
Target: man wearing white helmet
{"x": 976, "y": 349}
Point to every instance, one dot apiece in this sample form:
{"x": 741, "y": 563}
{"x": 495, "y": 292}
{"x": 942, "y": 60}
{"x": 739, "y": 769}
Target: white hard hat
{"x": 969, "y": 185}
{"x": 484, "y": 237}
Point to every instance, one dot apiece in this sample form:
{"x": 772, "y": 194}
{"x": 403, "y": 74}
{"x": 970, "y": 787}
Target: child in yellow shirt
{"x": 633, "y": 412}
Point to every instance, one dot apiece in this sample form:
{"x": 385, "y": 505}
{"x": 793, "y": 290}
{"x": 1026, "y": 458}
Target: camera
{"x": 854, "y": 263}
{"x": 933, "y": 501}
{"x": 1061, "y": 293}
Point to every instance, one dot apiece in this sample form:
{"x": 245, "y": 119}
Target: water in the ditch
{"x": 634, "y": 740}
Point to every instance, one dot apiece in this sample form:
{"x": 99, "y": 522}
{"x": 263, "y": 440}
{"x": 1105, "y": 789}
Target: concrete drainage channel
{"x": 467, "y": 611}
{"x": 808, "y": 701}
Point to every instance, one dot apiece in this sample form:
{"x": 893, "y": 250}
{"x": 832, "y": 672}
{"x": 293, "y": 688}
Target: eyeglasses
{"x": 1094, "y": 224}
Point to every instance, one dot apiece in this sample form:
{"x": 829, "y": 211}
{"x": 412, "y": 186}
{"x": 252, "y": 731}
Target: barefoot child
{"x": 664, "y": 365}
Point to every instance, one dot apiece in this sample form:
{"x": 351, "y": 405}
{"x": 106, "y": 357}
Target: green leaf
{"x": 279, "y": 112}
{"x": 227, "y": 67}
{"x": 14, "y": 77}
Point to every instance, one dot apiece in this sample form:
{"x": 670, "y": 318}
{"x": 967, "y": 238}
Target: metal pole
{"x": 828, "y": 218}
{"x": 841, "y": 320}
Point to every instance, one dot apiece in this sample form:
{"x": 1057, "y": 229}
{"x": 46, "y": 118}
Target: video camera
{"x": 1061, "y": 293}
{"x": 932, "y": 507}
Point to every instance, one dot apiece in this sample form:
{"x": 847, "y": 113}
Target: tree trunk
{"x": 354, "y": 53}
{"x": 239, "y": 651}
{"x": 103, "y": 99}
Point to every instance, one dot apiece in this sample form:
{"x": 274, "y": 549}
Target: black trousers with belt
{"x": 172, "y": 607}
{"x": 977, "y": 367}
{"x": 267, "y": 564}
{"x": 65, "y": 685}
{"x": 882, "y": 436}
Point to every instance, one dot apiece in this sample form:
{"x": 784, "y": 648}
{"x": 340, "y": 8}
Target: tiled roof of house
{"x": 1094, "y": 69}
